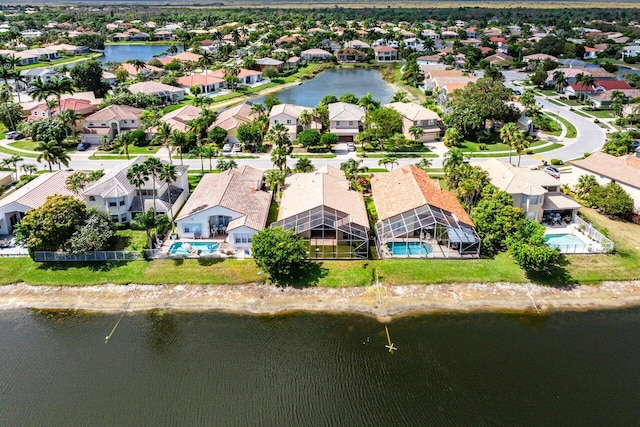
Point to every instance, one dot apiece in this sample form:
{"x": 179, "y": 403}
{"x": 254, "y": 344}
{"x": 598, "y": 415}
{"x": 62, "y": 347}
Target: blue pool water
{"x": 188, "y": 248}
{"x": 409, "y": 248}
{"x": 563, "y": 240}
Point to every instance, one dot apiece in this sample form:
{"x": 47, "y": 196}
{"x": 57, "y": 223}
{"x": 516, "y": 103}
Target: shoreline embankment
{"x": 383, "y": 302}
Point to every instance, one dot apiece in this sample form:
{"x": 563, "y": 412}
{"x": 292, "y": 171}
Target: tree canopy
{"x": 282, "y": 254}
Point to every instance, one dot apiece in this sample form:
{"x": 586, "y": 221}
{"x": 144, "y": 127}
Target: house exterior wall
{"x": 202, "y": 218}
{"x": 532, "y": 208}
{"x": 6, "y": 212}
{"x": 573, "y": 177}
{"x": 120, "y": 210}
{"x": 238, "y": 237}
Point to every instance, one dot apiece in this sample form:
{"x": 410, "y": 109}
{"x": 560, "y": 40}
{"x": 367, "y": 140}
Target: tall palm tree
{"x": 169, "y": 174}
{"x": 148, "y": 220}
{"x": 399, "y": 97}
{"x": 29, "y": 168}
{"x": 258, "y": 108}
{"x": 279, "y": 158}
{"x": 137, "y": 175}
{"x": 453, "y": 160}
{"x": 178, "y": 139}
{"x": 138, "y": 64}
{"x": 153, "y": 166}
{"x": 48, "y": 151}
{"x": 70, "y": 118}
{"x": 163, "y": 136}
{"x": 368, "y": 103}
{"x": 123, "y": 141}
{"x": 424, "y": 164}
{"x": 520, "y": 143}
{"x": 62, "y": 158}
{"x": 14, "y": 160}
{"x": 76, "y": 182}
{"x": 231, "y": 76}
{"x": 277, "y": 135}
{"x": 60, "y": 86}
{"x": 209, "y": 152}
{"x": 40, "y": 91}
{"x": 507, "y": 135}
{"x": 206, "y": 60}
{"x": 274, "y": 179}
{"x": 352, "y": 168}
{"x": 416, "y": 132}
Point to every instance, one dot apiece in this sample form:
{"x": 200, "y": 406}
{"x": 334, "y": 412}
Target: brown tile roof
{"x": 625, "y": 169}
{"x": 235, "y": 189}
{"x": 115, "y": 112}
{"x": 409, "y": 188}
{"x": 326, "y": 186}
{"x": 33, "y": 194}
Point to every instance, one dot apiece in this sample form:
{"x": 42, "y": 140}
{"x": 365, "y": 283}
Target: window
{"x": 123, "y": 217}
{"x": 350, "y": 123}
{"x": 192, "y": 228}
{"x": 431, "y": 122}
{"x": 288, "y": 121}
{"x": 114, "y": 218}
{"x": 124, "y": 121}
{"x": 524, "y": 198}
{"x": 242, "y": 238}
{"x": 92, "y": 198}
{"x": 275, "y": 121}
{"x": 112, "y": 203}
{"x": 121, "y": 201}
{"x": 337, "y": 122}
{"x": 534, "y": 200}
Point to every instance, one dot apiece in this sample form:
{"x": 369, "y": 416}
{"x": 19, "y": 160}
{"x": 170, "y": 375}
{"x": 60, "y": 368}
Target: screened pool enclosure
{"x": 428, "y": 227}
{"x": 329, "y": 233}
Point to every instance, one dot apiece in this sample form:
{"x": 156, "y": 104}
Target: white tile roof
{"x": 35, "y": 193}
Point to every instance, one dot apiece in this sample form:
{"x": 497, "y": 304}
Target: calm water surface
{"x": 337, "y": 82}
{"x": 222, "y": 369}
{"x": 122, "y": 52}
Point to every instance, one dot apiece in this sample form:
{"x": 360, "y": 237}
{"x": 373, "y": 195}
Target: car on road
{"x": 14, "y": 134}
{"x": 237, "y": 148}
{"x": 552, "y": 171}
{"x": 226, "y": 148}
{"x": 351, "y": 146}
{"x": 83, "y": 146}
{"x": 517, "y": 92}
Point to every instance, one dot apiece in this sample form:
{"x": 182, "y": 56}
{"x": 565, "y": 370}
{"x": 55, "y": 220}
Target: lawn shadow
{"x": 309, "y": 275}
{"x": 556, "y": 276}
{"x": 96, "y": 266}
{"x": 207, "y": 262}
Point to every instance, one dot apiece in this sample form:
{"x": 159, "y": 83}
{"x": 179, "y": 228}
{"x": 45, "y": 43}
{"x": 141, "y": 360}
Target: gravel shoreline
{"x": 384, "y": 302}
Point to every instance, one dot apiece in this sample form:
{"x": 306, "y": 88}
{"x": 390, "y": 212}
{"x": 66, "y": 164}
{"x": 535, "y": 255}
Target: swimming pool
{"x": 189, "y": 248}
{"x": 564, "y": 241}
{"x": 409, "y": 248}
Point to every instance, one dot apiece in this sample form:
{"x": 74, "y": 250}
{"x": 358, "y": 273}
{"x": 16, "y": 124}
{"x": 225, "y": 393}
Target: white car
{"x": 552, "y": 171}
{"x": 351, "y": 146}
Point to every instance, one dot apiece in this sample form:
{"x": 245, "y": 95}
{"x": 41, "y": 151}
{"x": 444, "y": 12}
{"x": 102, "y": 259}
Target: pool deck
{"x": 223, "y": 251}
{"x": 588, "y": 247}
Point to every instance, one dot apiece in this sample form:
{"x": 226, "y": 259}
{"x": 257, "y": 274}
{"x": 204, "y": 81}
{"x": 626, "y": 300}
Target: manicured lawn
{"x": 548, "y": 92}
{"x": 272, "y": 217}
{"x": 602, "y": 114}
{"x": 499, "y": 146}
{"x": 133, "y": 150}
{"x": 24, "y": 144}
{"x": 398, "y": 155}
{"x": 558, "y": 103}
{"x": 130, "y": 240}
{"x": 11, "y": 152}
{"x": 514, "y": 154}
{"x": 313, "y": 155}
{"x": 571, "y": 129}
{"x": 63, "y": 60}
{"x": 571, "y": 102}
{"x": 106, "y": 156}
{"x": 581, "y": 113}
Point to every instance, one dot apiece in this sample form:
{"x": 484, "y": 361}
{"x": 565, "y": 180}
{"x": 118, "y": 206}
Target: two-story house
{"x": 114, "y": 194}
{"x": 386, "y": 53}
{"x": 345, "y": 120}
{"x": 416, "y": 116}
{"x": 534, "y": 191}
{"x": 110, "y": 121}
{"x": 289, "y": 115}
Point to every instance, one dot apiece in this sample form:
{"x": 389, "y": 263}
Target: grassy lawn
{"x": 313, "y": 155}
{"x": 558, "y": 103}
{"x": 582, "y": 113}
{"x": 107, "y": 156}
{"x": 11, "y": 152}
{"x": 24, "y": 144}
{"x": 397, "y": 155}
{"x": 130, "y": 240}
{"x": 63, "y": 60}
{"x": 602, "y": 114}
{"x": 548, "y": 92}
{"x": 274, "y": 208}
{"x": 571, "y": 129}
{"x": 572, "y": 102}
{"x": 514, "y": 154}
{"x": 133, "y": 150}
{"x": 499, "y": 146}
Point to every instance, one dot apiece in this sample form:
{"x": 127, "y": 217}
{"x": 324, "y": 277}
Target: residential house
{"x": 539, "y": 57}
{"x": 15, "y": 204}
{"x": 25, "y": 57}
{"x": 181, "y": 57}
{"x": 206, "y": 82}
{"x": 115, "y": 195}
{"x": 630, "y": 51}
{"x": 69, "y": 49}
{"x": 265, "y": 63}
{"x": 166, "y": 93}
{"x": 417, "y": 218}
{"x": 81, "y": 106}
{"x": 500, "y": 60}
{"x": 315, "y": 55}
{"x": 534, "y": 191}
{"x": 386, "y": 54}
{"x": 349, "y": 54}
{"x": 357, "y": 44}
{"x": 321, "y": 207}
{"x": 230, "y": 205}
{"x": 624, "y": 170}
{"x": 147, "y": 70}
{"x": 245, "y": 76}
{"x": 45, "y": 74}
{"x": 44, "y": 53}
{"x": 231, "y": 118}
{"x": 110, "y": 122}
{"x": 293, "y": 62}
{"x": 346, "y": 120}
{"x": 179, "y": 119}
{"x": 110, "y": 78}
{"x": 288, "y": 115}
{"x": 414, "y": 115}
{"x": 163, "y": 35}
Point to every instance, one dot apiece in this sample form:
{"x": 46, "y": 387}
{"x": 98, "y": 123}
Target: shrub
{"x": 556, "y": 162}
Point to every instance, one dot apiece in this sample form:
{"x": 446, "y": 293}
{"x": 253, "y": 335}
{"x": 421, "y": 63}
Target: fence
{"x": 98, "y": 256}
{"x": 589, "y": 229}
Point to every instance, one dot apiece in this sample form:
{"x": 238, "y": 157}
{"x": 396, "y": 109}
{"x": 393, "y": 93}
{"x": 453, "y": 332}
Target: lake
{"x": 122, "y": 52}
{"x": 336, "y": 82}
{"x": 313, "y": 369}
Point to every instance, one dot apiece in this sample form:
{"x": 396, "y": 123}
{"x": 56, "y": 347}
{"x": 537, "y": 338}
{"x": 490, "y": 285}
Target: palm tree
{"x": 388, "y": 160}
{"x": 304, "y": 165}
{"x": 138, "y": 64}
{"x": 617, "y": 99}
{"x": 197, "y": 151}
{"x": 416, "y": 132}
{"x": 168, "y": 173}
{"x": 147, "y": 219}
{"x": 153, "y": 165}
{"x": 399, "y": 97}
{"x": 231, "y": 76}
{"x": 60, "y": 86}
{"x": 277, "y": 135}
{"x": 137, "y": 175}
{"x": 274, "y": 179}
{"x": 305, "y": 119}
{"x": 163, "y": 136}
{"x": 178, "y": 139}
{"x": 507, "y": 135}
{"x": 95, "y": 175}
{"x": 70, "y": 117}
{"x": 520, "y": 143}
{"x": 258, "y": 108}
{"x": 76, "y": 182}
{"x": 209, "y": 152}
{"x": 18, "y": 79}
{"x": 368, "y": 103}
{"x": 352, "y": 168}
{"x": 123, "y": 141}
{"x": 40, "y": 91}
{"x": 29, "y": 168}
{"x": 424, "y": 164}
{"x": 560, "y": 81}
{"x": 6, "y": 74}
{"x": 62, "y": 158}
{"x": 49, "y": 152}
{"x": 452, "y": 160}
{"x": 279, "y": 158}
{"x": 206, "y": 59}
{"x": 587, "y": 82}
{"x": 14, "y": 160}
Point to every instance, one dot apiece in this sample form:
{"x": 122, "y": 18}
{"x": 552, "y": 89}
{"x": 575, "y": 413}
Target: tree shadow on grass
{"x": 308, "y": 275}
{"x": 100, "y": 266}
{"x": 207, "y": 262}
{"x": 556, "y": 276}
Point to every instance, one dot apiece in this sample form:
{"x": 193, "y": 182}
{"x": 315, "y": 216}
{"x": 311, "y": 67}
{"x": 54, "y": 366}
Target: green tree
{"x": 94, "y": 235}
{"x": 452, "y": 138}
{"x": 145, "y": 221}
{"x": 388, "y": 160}
{"x": 49, "y": 151}
{"x": 278, "y": 137}
{"x": 495, "y": 218}
{"x": 349, "y": 98}
{"x": 87, "y": 76}
{"x": 329, "y": 99}
{"x": 528, "y": 248}
{"x": 137, "y": 176}
{"x": 270, "y": 101}
{"x": 281, "y": 254}
{"x": 163, "y": 137}
{"x": 611, "y": 199}
{"x": 328, "y": 139}
{"x": 48, "y": 227}
{"x": 248, "y": 134}
{"x": 383, "y": 123}
{"x": 309, "y": 138}
{"x": 304, "y": 165}
{"x": 169, "y": 173}
{"x": 76, "y": 182}
{"x": 618, "y": 144}
{"x": 46, "y": 129}
{"x": 217, "y": 135}
{"x": 586, "y": 183}
{"x": 153, "y": 166}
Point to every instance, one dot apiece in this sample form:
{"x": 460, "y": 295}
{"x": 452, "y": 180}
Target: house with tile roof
{"x": 386, "y": 54}
{"x": 115, "y": 195}
{"x": 166, "y": 93}
{"x": 417, "y": 218}
{"x": 288, "y": 115}
{"x": 14, "y": 205}
{"x": 231, "y": 118}
{"x": 624, "y": 170}
{"x": 178, "y": 119}
{"x": 206, "y": 82}
{"x": 415, "y": 115}
{"x": 110, "y": 121}
{"x": 147, "y": 70}
{"x": 230, "y": 206}
{"x": 321, "y": 207}
{"x": 534, "y": 191}
{"x": 346, "y": 120}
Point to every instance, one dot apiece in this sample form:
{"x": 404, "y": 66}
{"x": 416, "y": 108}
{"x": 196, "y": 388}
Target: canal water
{"x": 336, "y": 82}
{"x": 122, "y": 52}
{"x": 309, "y": 369}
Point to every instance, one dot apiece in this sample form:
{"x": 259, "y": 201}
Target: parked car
{"x": 351, "y": 146}
{"x": 226, "y": 148}
{"x": 14, "y": 134}
{"x": 237, "y": 148}
{"x": 83, "y": 146}
{"x": 517, "y": 92}
{"x": 552, "y": 171}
